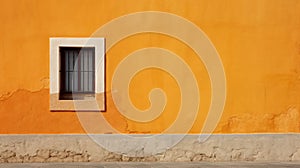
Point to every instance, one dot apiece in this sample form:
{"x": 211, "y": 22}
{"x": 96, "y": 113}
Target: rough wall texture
{"x": 15, "y": 121}
{"x": 258, "y": 42}
{"x": 80, "y": 148}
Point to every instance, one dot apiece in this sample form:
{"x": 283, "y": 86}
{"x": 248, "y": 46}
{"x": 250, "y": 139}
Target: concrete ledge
{"x": 81, "y": 148}
{"x": 156, "y": 165}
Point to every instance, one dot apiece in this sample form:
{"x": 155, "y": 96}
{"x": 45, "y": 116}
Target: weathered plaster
{"x": 285, "y": 121}
{"x": 80, "y": 148}
{"x": 31, "y": 114}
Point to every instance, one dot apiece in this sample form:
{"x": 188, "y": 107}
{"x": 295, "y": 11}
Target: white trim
{"x": 60, "y": 105}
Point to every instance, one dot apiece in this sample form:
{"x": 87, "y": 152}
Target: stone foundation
{"x": 217, "y": 148}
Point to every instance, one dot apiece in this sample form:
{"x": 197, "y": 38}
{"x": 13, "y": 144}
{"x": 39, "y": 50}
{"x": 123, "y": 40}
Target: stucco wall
{"x": 258, "y": 42}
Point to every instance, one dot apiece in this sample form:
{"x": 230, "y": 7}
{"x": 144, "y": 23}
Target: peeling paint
{"x": 286, "y": 121}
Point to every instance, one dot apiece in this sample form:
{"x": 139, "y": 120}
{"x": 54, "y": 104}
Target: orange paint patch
{"x": 28, "y": 112}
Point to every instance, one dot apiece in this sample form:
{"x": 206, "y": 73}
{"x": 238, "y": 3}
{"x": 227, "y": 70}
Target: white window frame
{"x": 96, "y": 104}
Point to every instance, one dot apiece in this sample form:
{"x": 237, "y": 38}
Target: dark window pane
{"x": 77, "y": 72}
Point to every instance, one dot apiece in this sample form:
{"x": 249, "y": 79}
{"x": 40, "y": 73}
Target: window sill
{"x": 94, "y": 104}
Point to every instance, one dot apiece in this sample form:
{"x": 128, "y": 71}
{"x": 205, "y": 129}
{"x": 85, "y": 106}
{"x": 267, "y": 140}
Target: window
{"x": 77, "y": 74}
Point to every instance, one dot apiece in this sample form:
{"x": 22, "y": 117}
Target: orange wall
{"x": 258, "y": 42}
